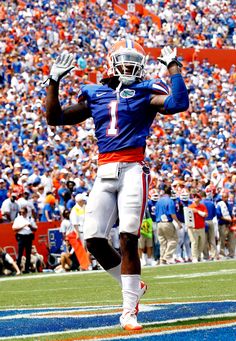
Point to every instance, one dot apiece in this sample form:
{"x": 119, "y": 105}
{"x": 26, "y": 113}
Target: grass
{"x": 211, "y": 281}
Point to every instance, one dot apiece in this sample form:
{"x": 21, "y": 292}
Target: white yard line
{"x": 140, "y": 336}
{"x": 149, "y": 299}
{"x": 45, "y": 275}
{"x": 199, "y": 274}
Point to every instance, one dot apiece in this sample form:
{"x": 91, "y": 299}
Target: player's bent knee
{"x": 106, "y": 255}
{"x": 94, "y": 245}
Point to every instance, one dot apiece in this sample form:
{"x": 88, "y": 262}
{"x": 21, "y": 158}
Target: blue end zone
{"x": 32, "y": 321}
{"x": 217, "y": 334}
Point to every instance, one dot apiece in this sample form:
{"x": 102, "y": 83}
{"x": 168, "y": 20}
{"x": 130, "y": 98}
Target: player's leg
{"x": 66, "y": 261}
{"x": 20, "y": 241}
{"x": 28, "y": 248}
{"x": 131, "y": 206}
{"x": 212, "y": 240}
{"x": 172, "y": 241}
{"x": 101, "y": 214}
{"x": 179, "y": 248}
{"x": 105, "y": 254}
{"x": 187, "y": 245}
{"x": 201, "y": 242}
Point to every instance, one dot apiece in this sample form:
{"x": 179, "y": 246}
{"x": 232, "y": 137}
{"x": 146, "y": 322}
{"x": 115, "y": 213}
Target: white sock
{"x": 130, "y": 291}
{"x": 116, "y": 273}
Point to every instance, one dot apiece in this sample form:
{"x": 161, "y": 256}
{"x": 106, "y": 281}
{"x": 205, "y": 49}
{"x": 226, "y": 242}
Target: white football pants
{"x": 124, "y": 196}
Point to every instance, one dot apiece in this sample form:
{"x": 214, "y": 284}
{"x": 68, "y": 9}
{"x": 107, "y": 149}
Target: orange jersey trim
{"x": 125, "y": 155}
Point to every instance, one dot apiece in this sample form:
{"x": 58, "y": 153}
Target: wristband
{"x": 176, "y": 61}
{"x": 50, "y": 78}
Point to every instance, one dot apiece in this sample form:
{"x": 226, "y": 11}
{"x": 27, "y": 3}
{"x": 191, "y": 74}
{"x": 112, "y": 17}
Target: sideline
{"x": 42, "y": 275}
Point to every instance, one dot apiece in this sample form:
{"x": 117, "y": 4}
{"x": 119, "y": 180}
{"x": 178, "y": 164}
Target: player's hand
{"x": 168, "y": 56}
{"x": 62, "y": 66}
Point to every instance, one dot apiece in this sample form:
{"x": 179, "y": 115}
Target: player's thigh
{"x": 101, "y": 210}
{"x": 132, "y": 198}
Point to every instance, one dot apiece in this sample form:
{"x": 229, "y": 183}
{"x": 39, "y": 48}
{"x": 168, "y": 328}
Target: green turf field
{"x": 210, "y": 281}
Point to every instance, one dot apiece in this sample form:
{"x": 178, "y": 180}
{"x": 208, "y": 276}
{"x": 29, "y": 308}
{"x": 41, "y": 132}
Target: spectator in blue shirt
{"x": 48, "y": 213}
{"x": 3, "y": 191}
{"x": 181, "y": 141}
{"x": 64, "y": 195}
{"x": 167, "y": 234}
{"x": 71, "y": 202}
{"x": 224, "y": 216}
{"x": 210, "y": 241}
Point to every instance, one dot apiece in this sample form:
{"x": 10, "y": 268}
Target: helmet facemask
{"x": 128, "y": 65}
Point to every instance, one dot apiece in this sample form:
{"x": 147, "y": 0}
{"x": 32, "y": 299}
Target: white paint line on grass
{"x": 199, "y": 274}
{"x": 45, "y": 275}
{"x": 189, "y": 329}
{"x": 149, "y": 299}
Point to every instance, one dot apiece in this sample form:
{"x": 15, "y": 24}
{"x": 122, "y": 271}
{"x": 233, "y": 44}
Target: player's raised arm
{"x": 178, "y": 100}
{"x": 55, "y": 115}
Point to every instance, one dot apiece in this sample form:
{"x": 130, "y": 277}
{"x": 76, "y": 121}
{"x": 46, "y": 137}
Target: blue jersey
{"x": 211, "y": 209}
{"x": 179, "y": 208}
{"x": 152, "y": 209}
{"x": 220, "y": 212}
{"x": 125, "y": 123}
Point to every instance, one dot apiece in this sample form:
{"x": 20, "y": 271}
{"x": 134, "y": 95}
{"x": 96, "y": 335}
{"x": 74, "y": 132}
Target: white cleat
{"x": 129, "y": 322}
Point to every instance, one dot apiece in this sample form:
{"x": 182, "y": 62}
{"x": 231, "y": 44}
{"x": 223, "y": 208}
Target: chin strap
{"x": 118, "y": 91}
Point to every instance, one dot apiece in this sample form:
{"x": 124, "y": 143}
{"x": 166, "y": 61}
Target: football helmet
{"x": 154, "y": 195}
{"x": 127, "y": 60}
{"x": 173, "y": 195}
{"x": 184, "y": 196}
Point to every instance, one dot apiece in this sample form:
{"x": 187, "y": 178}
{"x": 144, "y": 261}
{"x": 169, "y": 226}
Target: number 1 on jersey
{"x": 112, "y": 128}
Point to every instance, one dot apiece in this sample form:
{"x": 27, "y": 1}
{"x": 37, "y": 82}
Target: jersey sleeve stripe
{"x": 160, "y": 88}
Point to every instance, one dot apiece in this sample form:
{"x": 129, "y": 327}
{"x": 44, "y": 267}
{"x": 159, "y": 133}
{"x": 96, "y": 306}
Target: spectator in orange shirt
{"x": 203, "y": 117}
{"x": 16, "y": 187}
{"x": 197, "y": 233}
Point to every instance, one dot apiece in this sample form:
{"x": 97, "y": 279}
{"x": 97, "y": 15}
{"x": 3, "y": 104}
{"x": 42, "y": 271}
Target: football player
{"x": 123, "y": 108}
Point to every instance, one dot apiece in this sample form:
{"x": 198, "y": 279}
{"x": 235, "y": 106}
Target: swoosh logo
{"x": 100, "y": 94}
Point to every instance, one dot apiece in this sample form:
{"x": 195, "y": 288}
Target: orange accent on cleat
{"x": 143, "y": 289}
{"x": 131, "y": 327}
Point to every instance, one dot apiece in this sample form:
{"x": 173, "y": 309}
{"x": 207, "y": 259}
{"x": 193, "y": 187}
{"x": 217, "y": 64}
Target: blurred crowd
{"x": 202, "y": 24}
{"x": 48, "y": 166}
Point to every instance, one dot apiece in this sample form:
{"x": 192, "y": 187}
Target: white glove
{"x": 168, "y": 56}
{"x": 62, "y": 66}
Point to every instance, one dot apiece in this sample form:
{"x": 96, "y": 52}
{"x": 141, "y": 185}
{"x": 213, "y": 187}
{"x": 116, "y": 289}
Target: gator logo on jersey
{"x": 127, "y": 93}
